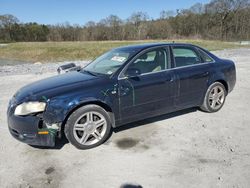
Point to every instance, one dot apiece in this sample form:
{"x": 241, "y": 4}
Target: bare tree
{"x": 218, "y": 19}
{"x": 139, "y": 20}
{"x": 166, "y": 14}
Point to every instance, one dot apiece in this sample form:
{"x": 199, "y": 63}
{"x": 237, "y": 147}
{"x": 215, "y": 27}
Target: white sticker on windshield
{"x": 118, "y": 58}
{"x": 109, "y": 72}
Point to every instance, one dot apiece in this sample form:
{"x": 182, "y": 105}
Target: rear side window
{"x": 185, "y": 56}
{"x": 205, "y": 57}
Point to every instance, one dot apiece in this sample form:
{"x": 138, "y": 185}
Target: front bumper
{"x": 26, "y": 129}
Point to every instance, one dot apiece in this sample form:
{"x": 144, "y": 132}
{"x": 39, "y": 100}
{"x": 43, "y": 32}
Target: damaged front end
{"x": 32, "y": 129}
{"x": 37, "y": 111}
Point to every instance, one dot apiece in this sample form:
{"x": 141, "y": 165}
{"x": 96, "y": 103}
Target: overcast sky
{"x": 82, "y": 11}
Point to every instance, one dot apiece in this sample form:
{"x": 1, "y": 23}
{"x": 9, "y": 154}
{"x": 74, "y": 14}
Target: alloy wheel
{"x": 216, "y": 97}
{"x": 90, "y": 128}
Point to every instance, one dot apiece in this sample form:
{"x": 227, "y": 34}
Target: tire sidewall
{"x": 73, "y": 118}
{"x": 209, "y": 109}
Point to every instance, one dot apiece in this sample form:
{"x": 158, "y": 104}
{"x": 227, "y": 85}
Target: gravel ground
{"x": 184, "y": 149}
{"x": 35, "y": 68}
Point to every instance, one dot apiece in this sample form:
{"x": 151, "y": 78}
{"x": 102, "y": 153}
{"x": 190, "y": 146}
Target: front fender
{"x": 58, "y": 108}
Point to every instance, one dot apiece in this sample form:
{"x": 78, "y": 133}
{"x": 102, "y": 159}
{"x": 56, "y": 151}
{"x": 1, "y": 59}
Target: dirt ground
{"x": 184, "y": 149}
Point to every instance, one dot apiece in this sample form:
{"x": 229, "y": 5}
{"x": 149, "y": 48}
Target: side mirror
{"x": 68, "y": 68}
{"x": 133, "y": 72}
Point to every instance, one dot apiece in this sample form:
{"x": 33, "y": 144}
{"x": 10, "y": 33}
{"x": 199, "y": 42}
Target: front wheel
{"x": 215, "y": 98}
{"x": 88, "y": 127}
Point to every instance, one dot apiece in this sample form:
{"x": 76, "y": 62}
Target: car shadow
{"x": 60, "y": 143}
{"x": 154, "y": 119}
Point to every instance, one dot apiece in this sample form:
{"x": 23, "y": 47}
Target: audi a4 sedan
{"x": 124, "y": 85}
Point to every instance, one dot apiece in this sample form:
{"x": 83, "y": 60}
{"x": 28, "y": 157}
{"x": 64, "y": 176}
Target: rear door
{"x": 192, "y": 75}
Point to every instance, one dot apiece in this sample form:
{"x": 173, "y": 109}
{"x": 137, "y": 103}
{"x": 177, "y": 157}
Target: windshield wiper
{"x": 95, "y": 73}
{"x": 89, "y": 72}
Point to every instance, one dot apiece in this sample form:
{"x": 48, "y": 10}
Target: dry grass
{"x": 63, "y": 51}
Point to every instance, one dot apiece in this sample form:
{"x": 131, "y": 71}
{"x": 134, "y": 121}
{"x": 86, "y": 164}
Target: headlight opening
{"x": 29, "y": 108}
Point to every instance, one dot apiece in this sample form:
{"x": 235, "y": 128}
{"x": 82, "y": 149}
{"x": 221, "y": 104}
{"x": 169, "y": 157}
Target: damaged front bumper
{"x": 32, "y": 129}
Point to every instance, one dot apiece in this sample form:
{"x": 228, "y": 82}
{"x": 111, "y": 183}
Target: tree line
{"x": 216, "y": 20}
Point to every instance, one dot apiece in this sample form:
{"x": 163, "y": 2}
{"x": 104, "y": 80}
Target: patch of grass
{"x": 64, "y": 51}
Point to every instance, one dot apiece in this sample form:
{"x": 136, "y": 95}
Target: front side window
{"x": 185, "y": 56}
{"x": 149, "y": 62}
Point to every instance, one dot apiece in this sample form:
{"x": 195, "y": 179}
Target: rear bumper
{"x": 232, "y": 80}
{"x": 231, "y": 76}
{"x": 26, "y": 128}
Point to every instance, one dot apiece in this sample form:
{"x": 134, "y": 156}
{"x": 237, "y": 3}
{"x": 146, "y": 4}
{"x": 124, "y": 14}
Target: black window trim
{"x": 201, "y": 50}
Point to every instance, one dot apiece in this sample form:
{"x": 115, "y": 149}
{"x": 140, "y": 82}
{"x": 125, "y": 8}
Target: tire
{"x": 215, "y": 98}
{"x": 88, "y": 127}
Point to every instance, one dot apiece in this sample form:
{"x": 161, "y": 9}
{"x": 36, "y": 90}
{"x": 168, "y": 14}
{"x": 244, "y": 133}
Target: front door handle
{"x": 170, "y": 79}
{"x": 205, "y": 74}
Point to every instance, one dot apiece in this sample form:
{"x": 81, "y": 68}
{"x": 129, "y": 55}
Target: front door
{"x": 148, "y": 87}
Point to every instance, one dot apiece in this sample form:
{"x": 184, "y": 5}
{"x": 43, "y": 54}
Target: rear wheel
{"x": 88, "y": 127}
{"x": 215, "y": 98}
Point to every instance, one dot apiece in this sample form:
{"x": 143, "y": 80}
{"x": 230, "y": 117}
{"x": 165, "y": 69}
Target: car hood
{"x": 67, "y": 81}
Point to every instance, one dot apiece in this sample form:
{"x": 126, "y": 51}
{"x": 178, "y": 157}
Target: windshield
{"x": 110, "y": 62}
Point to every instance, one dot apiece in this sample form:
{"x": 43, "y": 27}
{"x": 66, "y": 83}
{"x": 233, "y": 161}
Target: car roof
{"x": 150, "y": 45}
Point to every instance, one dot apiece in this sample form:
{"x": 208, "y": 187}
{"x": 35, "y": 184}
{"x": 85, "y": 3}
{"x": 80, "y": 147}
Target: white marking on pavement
{"x": 4, "y": 128}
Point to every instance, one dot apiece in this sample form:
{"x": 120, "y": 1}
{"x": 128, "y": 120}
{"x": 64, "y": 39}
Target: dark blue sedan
{"x": 124, "y": 85}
